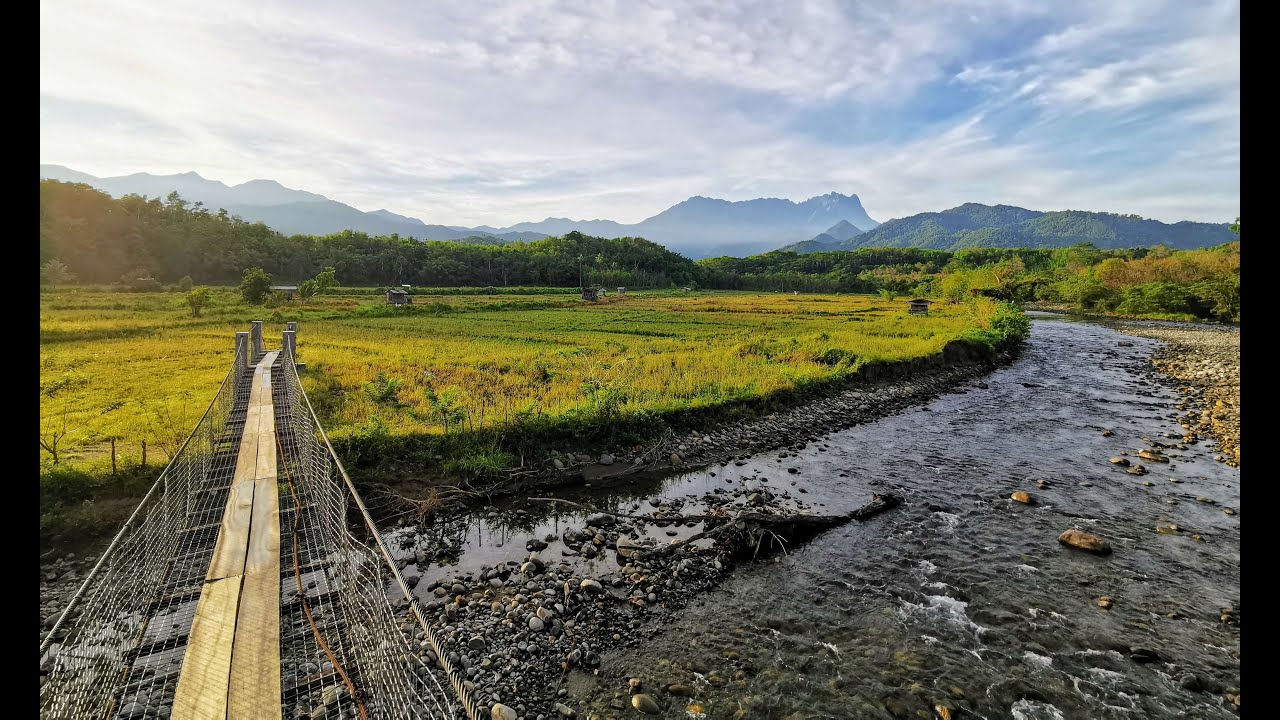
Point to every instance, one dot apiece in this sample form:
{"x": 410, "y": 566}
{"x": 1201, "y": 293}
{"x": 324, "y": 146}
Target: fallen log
{"x": 750, "y": 529}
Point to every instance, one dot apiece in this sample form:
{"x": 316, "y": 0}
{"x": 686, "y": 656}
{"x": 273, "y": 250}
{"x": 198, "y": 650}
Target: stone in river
{"x": 1152, "y": 455}
{"x": 601, "y": 519}
{"x": 591, "y": 586}
{"x": 502, "y": 712}
{"x": 1022, "y": 497}
{"x": 679, "y": 690}
{"x": 1104, "y": 602}
{"x": 645, "y": 704}
{"x": 1085, "y": 541}
{"x": 1122, "y": 462}
{"x": 606, "y": 459}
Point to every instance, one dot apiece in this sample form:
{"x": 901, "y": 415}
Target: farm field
{"x": 138, "y": 367}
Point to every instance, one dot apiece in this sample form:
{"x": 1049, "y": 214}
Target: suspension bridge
{"x": 250, "y": 582}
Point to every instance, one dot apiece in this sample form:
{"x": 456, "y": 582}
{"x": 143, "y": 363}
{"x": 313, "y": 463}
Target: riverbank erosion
{"x": 1205, "y": 360}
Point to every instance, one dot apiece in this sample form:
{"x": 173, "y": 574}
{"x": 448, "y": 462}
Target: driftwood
{"x": 752, "y": 528}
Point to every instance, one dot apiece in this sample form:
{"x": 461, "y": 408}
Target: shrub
{"x": 255, "y": 285}
{"x": 197, "y": 299}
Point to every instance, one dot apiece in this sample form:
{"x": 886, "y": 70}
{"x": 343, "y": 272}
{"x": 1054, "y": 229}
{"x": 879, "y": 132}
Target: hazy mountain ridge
{"x": 697, "y": 227}
{"x": 977, "y": 225}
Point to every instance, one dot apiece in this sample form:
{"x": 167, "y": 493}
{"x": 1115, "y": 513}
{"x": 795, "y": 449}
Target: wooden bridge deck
{"x": 231, "y": 668}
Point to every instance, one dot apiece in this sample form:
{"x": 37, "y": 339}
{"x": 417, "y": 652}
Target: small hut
{"x": 622, "y": 290}
{"x": 288, "y": 290}
{"x": 590, "y": 293}
{"x": 604, "y": 292}
{"x": 919, "y": 306}
{"x": 684, "y": 290}
{"x": 398, "y": 297}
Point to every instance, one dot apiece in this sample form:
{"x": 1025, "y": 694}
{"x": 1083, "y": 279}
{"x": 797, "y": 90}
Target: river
{"x": 961, "y": 598}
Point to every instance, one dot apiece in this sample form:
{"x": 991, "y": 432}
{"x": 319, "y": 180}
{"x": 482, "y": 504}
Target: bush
{"x": 184, "y": 285}
{"x": 255, "y": 285}
{"x": 198, "y": 299}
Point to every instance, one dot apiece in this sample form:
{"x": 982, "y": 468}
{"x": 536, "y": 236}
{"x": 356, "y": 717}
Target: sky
{"x": 493, "y": 113}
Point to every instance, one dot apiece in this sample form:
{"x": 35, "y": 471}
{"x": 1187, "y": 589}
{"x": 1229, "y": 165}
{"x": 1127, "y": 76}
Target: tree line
{"x": 102, "y": 240}
{"x": 87, "y": 236}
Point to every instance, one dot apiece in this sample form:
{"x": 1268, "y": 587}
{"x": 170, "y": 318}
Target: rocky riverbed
{"x": 962, "y": 603}
{"x": 1205, "y": 360}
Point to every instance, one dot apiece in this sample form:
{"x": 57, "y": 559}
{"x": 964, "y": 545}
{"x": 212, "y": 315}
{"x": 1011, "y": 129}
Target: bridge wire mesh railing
{"x": 117, "y": 648}
{"x": 347, "y": 573}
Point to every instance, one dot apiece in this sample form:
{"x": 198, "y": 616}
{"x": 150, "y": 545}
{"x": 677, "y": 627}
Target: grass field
{"x": 455, "y": 367}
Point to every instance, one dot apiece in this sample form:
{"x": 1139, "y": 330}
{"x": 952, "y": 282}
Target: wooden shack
{"x": 919, "y": 306}
{"x": 622, "y": 290}
{"x": 288, "y": 290}
{"x": 398, "y": 297}
{"x": 590, "y": 293}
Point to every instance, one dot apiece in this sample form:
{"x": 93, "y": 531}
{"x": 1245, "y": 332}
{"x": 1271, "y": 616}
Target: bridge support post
{"x": 289, "y": 342}
{"x": 255, "y": 336}
{"x": 293, "y": 328}
{"x": 242, "y": 356}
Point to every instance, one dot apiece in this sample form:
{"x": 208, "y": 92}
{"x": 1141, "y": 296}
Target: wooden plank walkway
{"x": 232, "y": 665}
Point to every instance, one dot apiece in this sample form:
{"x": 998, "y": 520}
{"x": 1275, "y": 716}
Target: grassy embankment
{"x": 459, "y": 383}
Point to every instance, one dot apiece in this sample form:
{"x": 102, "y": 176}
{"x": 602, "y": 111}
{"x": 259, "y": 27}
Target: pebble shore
{"x": 1205, "y": 362}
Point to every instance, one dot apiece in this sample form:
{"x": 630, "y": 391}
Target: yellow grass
{"x": 139, "y": 367}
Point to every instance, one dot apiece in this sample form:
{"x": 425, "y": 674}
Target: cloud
{"x": 489, "y": 112}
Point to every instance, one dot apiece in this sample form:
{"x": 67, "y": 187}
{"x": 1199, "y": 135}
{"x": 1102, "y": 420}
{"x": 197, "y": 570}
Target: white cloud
{"x": 488, "y": 112}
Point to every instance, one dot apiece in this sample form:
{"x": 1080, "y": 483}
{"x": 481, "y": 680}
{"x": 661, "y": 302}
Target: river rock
{"x": 628, "y": 547}
{"x": 565, "y": 710}
{"x": 476, "y": 642}
{"x": 502, "y": 712}
{"x": 606, "y": 459}
{"x": 1085, "y": 541}
{"x": 645, "y": 704}
{"x": 1152, "y": 455}
{"x": 536, "y": 624}
{"x": 591, "y": 586}
{"x": 1104, "y": 602}
{"x": 1022, "y": 497}
{"x": 1122, "y": 462}
{"x": 601, "y": 520}
{"x": 679, "y": 690}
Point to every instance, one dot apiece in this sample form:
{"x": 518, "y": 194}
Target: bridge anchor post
{"x": 255, "y": 336}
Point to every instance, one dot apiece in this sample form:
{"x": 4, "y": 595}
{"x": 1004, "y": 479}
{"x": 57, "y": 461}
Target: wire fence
{"x": 117, "y": 648}
{"x": 346, "y": 649}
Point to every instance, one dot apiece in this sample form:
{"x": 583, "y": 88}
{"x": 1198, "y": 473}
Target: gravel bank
{"x": 1206, "y": 363}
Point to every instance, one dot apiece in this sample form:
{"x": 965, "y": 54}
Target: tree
{"x": 198, "y": 299}
{"x": 255, "y": 285}
{"x": 954, "y": 286}
{"x": 1236, "y": 228}
{"x": 184, "y": 285}
{"x": 326, "y": 280}
{"x": 55, "y": 273}
{"x": 54, "y": 433}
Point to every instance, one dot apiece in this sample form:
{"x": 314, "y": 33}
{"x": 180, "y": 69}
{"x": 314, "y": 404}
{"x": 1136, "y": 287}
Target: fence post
{"x": 242, "y": 356}
{"x": 255, "y": 336}
{"x": 293, "y": 328}
{"x": 288, "y": 343}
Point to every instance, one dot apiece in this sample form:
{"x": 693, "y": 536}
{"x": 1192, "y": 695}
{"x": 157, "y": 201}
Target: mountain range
{"x": 697, "y": 227}
{"x": 976, "y": 225}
